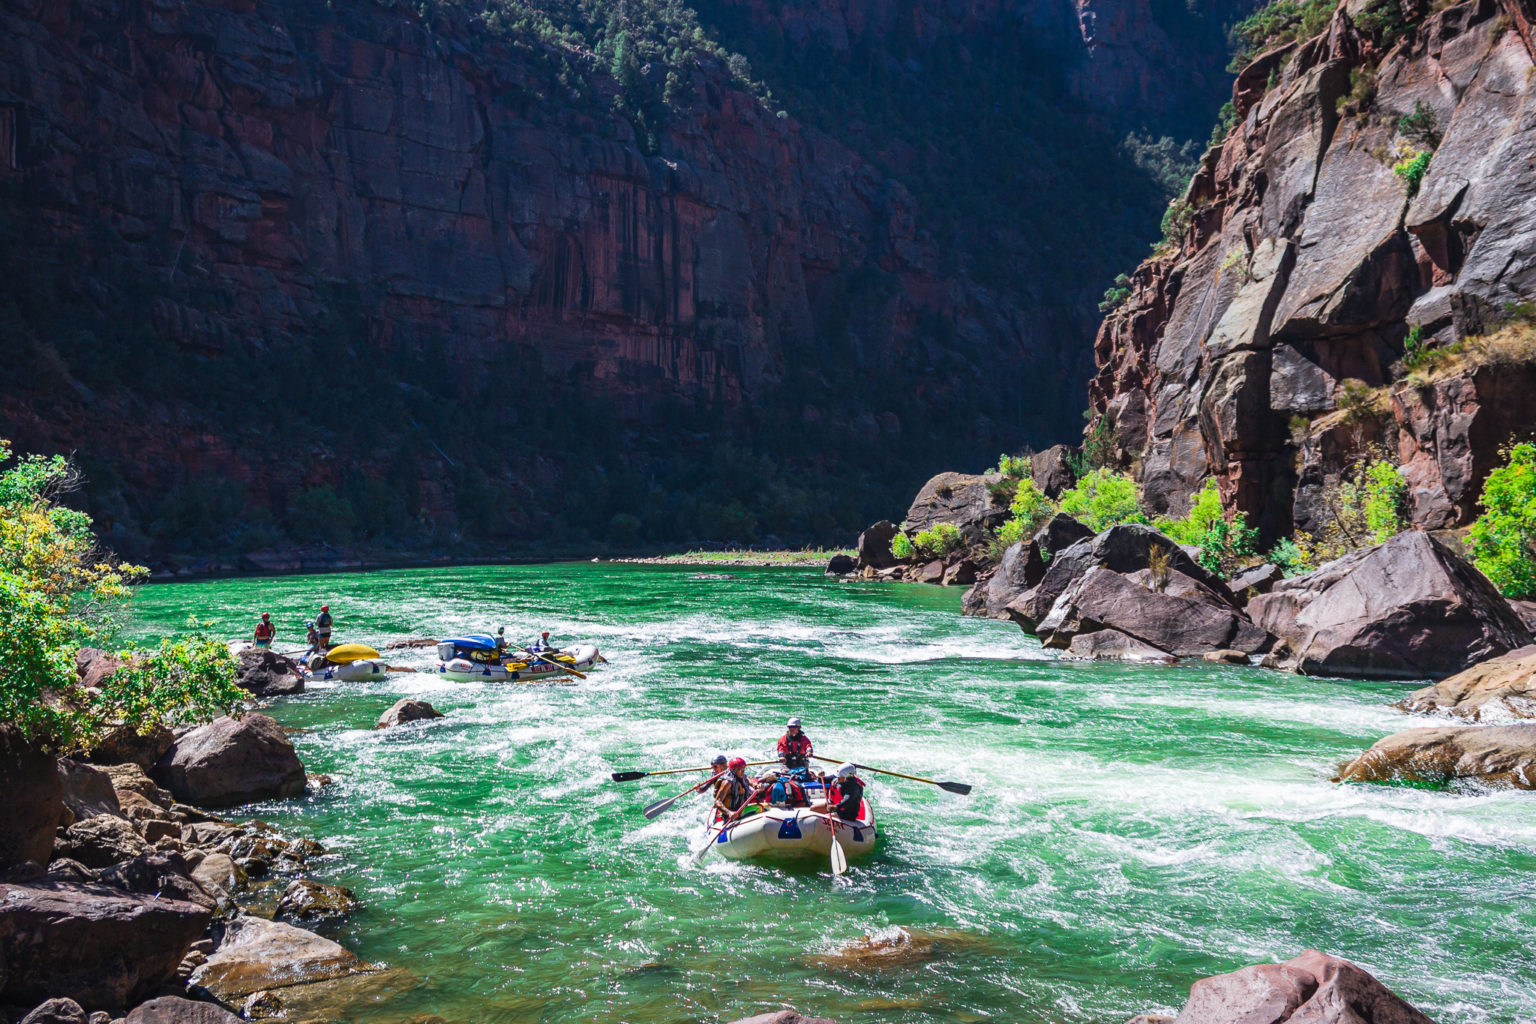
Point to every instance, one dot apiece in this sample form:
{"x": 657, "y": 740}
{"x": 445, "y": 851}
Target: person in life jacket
{"x": 501, "y": 643}
{"x": 264, "y": 630}
{"x": 542, "y": 644}
{"x": 733, "y": 790}
{"x": 313, "y": 637}
{"x": 795, "y": 750}
{"x": 845, "y": 792}
{"x": 323, "y": 627}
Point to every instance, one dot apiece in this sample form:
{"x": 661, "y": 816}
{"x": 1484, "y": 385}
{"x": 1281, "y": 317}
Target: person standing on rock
{"x": 323, "y": 627}
{"x": 795, "y": 751}
{"x": 264, "y": 630}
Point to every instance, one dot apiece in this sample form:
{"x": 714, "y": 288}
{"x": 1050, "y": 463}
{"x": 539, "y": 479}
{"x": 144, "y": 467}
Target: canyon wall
{"x": 1281, "y": 334}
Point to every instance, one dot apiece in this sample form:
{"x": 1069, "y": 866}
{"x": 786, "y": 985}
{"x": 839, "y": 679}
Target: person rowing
{"x": 845, "y": 793}
{"x": 733, "y": 790}
{"x": 795, "y": 751}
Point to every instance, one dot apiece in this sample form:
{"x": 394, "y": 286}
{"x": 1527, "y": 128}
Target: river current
{"x": 1131, "y": 830}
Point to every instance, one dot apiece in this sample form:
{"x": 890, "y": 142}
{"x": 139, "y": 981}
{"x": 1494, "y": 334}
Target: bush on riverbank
{"x": 58, "y": 592}
{"x": 1503, "y": 539}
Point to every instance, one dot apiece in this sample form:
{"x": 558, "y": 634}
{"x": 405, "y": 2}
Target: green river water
{"x": 1132, "y": 829}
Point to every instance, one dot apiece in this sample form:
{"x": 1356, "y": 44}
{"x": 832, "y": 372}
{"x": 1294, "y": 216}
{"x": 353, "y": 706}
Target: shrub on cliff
{"x": 1029, "y": 511}
{"x": 1224, "y": 544}
{"x": 1503, "y": 539}
{"x": 1101, "y": 499}
{"x": 938, "y": 541}
{"x": 57, "y": 592}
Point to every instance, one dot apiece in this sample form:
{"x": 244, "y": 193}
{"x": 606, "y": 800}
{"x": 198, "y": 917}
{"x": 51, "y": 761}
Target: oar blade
{"x": 839, "y": 858}
{"x": 659, "y": 806}
{"x": 629, "y": 776}
{"x": 955, "y": 787}
{"x": 698, "y": 855}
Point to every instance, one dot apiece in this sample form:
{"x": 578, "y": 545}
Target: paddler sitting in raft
{"x": 733, "y": 790}
{"x": 845, "y": 793}
{"x": 795, "y": 752}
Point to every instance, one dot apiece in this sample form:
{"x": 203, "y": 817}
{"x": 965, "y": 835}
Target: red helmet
{"x": 266, "y": 615}
{"x": 737, "y": 763}
{"x": 545, "y": 633}
{"x": 325, "y": 607}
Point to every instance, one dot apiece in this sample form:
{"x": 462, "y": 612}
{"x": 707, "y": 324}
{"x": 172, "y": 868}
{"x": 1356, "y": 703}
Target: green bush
{"x": 1101, "y": 499}
{"x": 1291, "y": 558}
{"x": 1116, "y": 294}
{"x": 1013, "y": 467}
{"x": 57, "y": 592}
{"x": 1503, "y": 539}
{"x": 938, "y": 540}
{"x": 1411, "y": 166}
{"x": 902, "y": 549}
{"x": 1224, "y": 544}
{"x": 1029, "y": 511}
{"x": 1386, "y": 500}
{"x": 1413, "y": 347}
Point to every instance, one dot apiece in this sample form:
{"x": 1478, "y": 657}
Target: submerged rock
{"x": 1496, "y": 755}
{"x": 406, "y": 711}
{"x": 891, "y": 948}
{"x": 230, "y": 762}
{"x": 1314, "y": 987}
{"x": 1407, "y": 609}
{"x": 1113, "y": 645}
{"x": 175, "y": 1010}
{"x": 307, "y": 900}
{"x": 1502, "y": 687}
{"x": 257, "y": 954}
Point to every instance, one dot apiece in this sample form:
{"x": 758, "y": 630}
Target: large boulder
{"x": 97, "y": 945}
{"x": 1060, "y": 532}
{"x": 1495, "y": 755}
{"x": 125, "y": 744}
{"x": 88, "y": 791}
{"x": 256, "y": 955}
{"x": 229, "y": 762}
{"x": 93, "y": 666}
{"x": 1407, "y": 609}
{"x": 100, "y": 842}
{"x": 1054, "y": 470}
{"x": 405, "y": 711}
{"x": 875, "y": 545}
{"x": 175, "y": 1010}
{"x": 1499, "y": 688}
{"x": 57, "y": 1011}
{"x": 1178, "y": 616}
{"x": 161, "y": 874}
{"x": 1020, "y": 569}
{"x": 265, "y": 673}
{"x": 34, "y": 800}
{"x": 1113, "y": 645}
{"x": 1314, "y": 987}
{"x": 841, "y": 565}
{"x": 1250, "y": 583}
{"x": 977, "y": 505}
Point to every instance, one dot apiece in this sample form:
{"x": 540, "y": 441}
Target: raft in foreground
{"x": 798, "y": 833}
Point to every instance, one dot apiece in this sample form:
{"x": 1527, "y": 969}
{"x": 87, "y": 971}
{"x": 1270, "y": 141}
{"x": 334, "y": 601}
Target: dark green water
{"x": 1132, "y": 829}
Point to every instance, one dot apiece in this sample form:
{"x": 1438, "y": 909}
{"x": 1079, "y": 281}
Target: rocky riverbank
{"x": 125, "y": 897}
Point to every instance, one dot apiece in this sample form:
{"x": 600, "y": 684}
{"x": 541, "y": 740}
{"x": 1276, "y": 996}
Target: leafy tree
{"x": 1503, "y": 539}
{"x": 1029, "y": 511}
{"x": 938, "y": 540}
{"x": 1386, "y": 500}
{"x": 57, "y": 591}
{"x": 1224, "y": 543}
{"x": 1103, "y": 498}
{"x": 901, "y": 548}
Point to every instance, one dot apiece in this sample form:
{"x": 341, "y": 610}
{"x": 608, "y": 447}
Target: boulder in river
{"x": 875, "y": 545}
{"x": 229, "y": 762}
{"x": 1502, "y": 756}
{"x": 265, "y": 673}
{"x": 841, "y": 565}
{"x": 175, "y": 1010}
{"x": 406, "y": 711}
{"x": 94, "y": 944}
{"x": 1407, "y": 609}
{"x": 34, "y": 800}
{"x": 306, "y": 900}
{"x": 1113, "y": 645}
{"x": 1314, "y": 987}
{"x": 1499, "y": 688}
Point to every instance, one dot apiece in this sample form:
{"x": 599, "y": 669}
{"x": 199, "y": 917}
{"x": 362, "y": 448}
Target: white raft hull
{"x": 462, "y": 670}
{"x": 366, "y": 671}
{"x": 798, "y": 833}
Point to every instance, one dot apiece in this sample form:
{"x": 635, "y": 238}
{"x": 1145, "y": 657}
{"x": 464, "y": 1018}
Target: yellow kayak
{"x": 346, "y": 654}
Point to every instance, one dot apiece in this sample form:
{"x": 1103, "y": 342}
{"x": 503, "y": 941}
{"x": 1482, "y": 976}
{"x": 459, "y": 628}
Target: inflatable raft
{"x": 779, "y": 833}
{"x": 349, "y": 663}
{"x": 473, "y": 658}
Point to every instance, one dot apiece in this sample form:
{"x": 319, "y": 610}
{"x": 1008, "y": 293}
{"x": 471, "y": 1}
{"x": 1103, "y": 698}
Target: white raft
{"x": 522, "y": 670}
{"x": 363, "y": 670}
{"x": 798, "y": 833}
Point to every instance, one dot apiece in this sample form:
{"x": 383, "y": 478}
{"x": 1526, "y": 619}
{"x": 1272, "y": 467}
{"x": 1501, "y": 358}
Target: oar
{"x": 948, "y": 787}
{"x": 656, "y": 808}
{"x": 839, "y": 858}
{"x": 551, "y": 661}
{"x": 631, "y": 776}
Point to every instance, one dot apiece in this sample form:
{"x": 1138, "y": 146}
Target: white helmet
{"x": 846, "y": 769}
{"x": 794, "y": 721}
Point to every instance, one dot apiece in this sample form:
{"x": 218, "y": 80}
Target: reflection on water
{"x": 1132, "y": 829}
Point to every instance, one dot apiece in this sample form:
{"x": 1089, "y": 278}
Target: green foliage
{"x": 1362, "y": 90}
{"x": 56, "y": 595}
{"x": 1101, "y": 499}
{"x": 902, "y": 549}
{"x": 1383, "y": 21}
{"x": 1291, "y": 558}
{"x": 1115, "y": 296}
{"x": 320, "y": 514}
{"x": 1503, "y": 538}
{"x": 1167, "y": 161}
{"x": 1276, "y": 24}
{"x": 1029, "y": 511}
{"x": 937, "y": 541}
{"x": 1012, "y": 467}
{"x": 1176, "y": 221}
{"x": 1413, "y": 347}
{"x": 1226, "y": 120}
{"x": 1098, "y": 445}
{"x": 1421, "y": 127}
{"x": 1224, "y": 545}
{"x": 1386, "y": 500}
{"x": 1411, "y": 166}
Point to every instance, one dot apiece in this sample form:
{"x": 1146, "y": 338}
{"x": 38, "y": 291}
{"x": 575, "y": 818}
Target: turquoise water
{"x": 1131, "y": 830}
